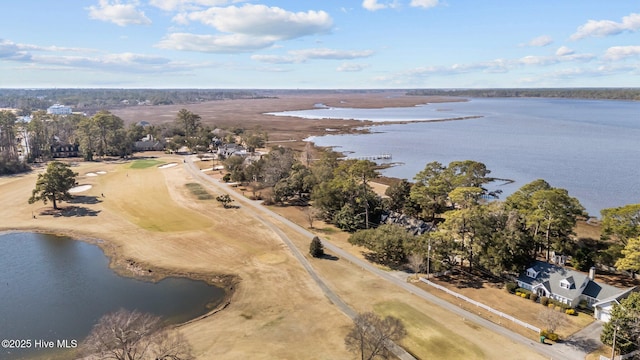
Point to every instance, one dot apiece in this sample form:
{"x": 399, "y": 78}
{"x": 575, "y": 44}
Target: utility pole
{"x": 613, "y": 349}
{"x": 428, "y": 257}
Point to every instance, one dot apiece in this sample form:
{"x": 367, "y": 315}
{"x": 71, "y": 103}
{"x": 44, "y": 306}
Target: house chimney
{"x": 592, "y": 273}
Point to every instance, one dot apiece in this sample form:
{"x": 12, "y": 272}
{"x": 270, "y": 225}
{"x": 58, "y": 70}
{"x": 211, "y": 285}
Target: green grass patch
{"x": 145, "y": 163}
{"x": 428, "y": 339}
{"x": 199, "y": 191}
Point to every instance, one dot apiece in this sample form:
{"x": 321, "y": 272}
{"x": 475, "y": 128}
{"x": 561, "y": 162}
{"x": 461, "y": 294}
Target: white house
{"x": 57, "y": 109}
{"x": 570, "y": 287}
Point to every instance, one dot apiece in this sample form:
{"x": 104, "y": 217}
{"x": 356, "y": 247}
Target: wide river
{"x": 55, "y": 288}
{"x": 589, "y": 147}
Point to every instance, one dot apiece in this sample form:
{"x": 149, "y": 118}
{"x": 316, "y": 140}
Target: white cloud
{"x": 602, "y": 28}
{"x": 234, "y": 43}
{"x": 276, "y": 59}
{"x": 171, "y": 5}
{"x": 539, "y": 41}
{"x": 351, "y": 67}
{"x": 300, "y": 56}
{"x": 119, "y": 13}
{"x": 331, "y": 54}
{"x": 564, "y": 51}
{"x": 426, "y": 4}
{"x": 373, "y": 5}
{"x": 621, "y": 52}
{"x": 261, "y": 20}
{"x": 246, "y": 28}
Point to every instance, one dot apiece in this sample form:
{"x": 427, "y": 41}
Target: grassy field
{"x": 427, "y": 338}
{"x": 144, "y": 199}
{"x": 145, "y": 163}
{"x": 198, "y": 191}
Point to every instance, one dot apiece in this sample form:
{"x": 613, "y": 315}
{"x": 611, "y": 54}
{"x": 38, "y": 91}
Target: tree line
{"x": 86, "y": 100}
{"x": 97, "y": 136}
{"x": 566, "y": 93}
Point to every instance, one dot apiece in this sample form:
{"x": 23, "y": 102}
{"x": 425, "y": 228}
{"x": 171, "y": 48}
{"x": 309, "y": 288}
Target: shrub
{"x": 316, "y": 249}
{"x": 226, "y": 178}
{"x": 518, "y": 293}
{"x": 523, "y": 295}
{"x": 557, "y": 308}
{"x": 549, "y": 335}
{"x": 511, "y": 287}
{"x": 551, "y": 306}
{"x": 533, "y": 297}
{"x": 544, "y": 301}
{"x": 570, "y": 312}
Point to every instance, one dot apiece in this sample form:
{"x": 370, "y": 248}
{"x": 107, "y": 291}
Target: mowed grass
{"x": 428, "y": 339}
{"x": 144, "y": 199}
{"x": 145, "y": 163}
{"x": 198, "y": 191}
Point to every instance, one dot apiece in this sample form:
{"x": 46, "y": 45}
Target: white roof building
{"x": 57, "y": 109}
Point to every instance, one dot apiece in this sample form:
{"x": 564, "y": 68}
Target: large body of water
{"x": 589, "y": 147}
{"x": 55, "y": 288}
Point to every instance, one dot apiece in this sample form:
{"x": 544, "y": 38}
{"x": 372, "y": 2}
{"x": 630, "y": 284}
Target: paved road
{"x": 560, "y": 351}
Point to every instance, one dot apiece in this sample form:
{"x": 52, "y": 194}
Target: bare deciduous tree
{"x": 311, "y": 214}
{"x": 551, "y": 319}
{"x": 132, "y": 335}
{"x": 416, "y": 263}
{"x": 370, "y": 335}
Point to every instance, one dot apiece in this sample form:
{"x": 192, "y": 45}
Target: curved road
{"x": 557, "y": 351}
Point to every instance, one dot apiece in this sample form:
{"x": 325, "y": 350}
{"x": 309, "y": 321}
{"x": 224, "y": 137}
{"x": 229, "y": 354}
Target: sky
{"x": 329, "y": 44}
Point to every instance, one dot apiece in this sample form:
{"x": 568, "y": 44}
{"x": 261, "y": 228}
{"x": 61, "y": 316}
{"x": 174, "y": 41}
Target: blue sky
{"x": 320, "y": 44}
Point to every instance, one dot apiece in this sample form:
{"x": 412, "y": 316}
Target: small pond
{"x": 55, "y": 288}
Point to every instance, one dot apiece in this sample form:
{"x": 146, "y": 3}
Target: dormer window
{"x": 532, "y": 273}
{"x": 566, "y": 283}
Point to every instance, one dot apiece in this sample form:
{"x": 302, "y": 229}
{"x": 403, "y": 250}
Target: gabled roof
{"x": 616, "y": 297}
{"x": 550, "y": 276}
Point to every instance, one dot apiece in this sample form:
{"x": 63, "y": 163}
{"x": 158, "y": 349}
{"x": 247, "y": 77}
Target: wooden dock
{"x": 370, "y": 157}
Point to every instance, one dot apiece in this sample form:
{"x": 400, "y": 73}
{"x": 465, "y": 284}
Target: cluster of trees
{"x": 623, "y": 330}
{"x": 498, "y": 236}
{"x": 567, "y": 93}
{"x": 29, "y": 100}
{"x": 103, "y": 134}
{"x": 621, "y": 227}
{"x": 9, "y": 156}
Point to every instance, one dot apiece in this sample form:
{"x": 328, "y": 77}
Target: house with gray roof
{"x": 570, "y": 287}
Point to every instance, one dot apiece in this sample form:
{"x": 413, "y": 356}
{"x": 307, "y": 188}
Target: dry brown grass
{"x": 249, "y": 114}
{"x": 495, "y": 296}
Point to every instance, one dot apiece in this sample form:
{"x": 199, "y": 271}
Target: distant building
{"x": 57, "y": 109}
{"x": 65, "y": 150}
{"x": 149, "y": 143}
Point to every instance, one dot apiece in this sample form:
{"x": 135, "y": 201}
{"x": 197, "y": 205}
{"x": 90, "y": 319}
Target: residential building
{"x": 571, "y": 287}
{"x": 57, "y": 109}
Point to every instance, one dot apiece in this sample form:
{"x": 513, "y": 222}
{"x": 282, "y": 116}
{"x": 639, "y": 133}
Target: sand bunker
{"x": 167, "y": 165}
{"x": 91, "y": 174}
{"x": 80, "y": 188}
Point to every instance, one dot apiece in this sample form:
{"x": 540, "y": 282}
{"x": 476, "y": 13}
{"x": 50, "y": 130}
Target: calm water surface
{"x": 589, "y": 147}
{"x": 56, "y": 288}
